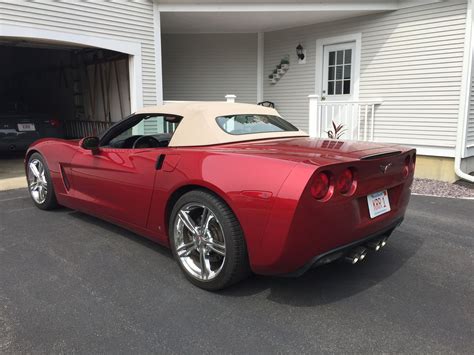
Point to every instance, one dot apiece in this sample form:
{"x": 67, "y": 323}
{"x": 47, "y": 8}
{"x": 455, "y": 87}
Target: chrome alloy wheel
{"x": 37, "y": 182}
{"x": 199, "y": 241}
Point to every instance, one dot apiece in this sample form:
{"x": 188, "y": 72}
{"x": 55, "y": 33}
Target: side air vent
{"x": 380, "y": 155}
{"x": 65, "y": 179}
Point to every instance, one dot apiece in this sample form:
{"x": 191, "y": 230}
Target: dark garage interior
{"x": 59, "y": 90}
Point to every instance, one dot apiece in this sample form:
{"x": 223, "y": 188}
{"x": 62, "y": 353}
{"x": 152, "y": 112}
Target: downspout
{"x": 465, "y": 97}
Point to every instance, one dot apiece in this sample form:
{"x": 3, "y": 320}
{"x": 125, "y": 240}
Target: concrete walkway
{"x": 12, "y": 173}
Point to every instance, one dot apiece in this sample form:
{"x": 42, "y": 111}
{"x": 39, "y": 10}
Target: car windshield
{"x": 248, "y": 124}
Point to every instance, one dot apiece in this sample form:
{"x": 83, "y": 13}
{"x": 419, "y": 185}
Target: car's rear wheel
{"x": 40, "y": 184}
{"x": 207, "y": 241}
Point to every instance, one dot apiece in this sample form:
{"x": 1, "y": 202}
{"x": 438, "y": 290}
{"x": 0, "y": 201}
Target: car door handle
{"x": 160, "y": 161}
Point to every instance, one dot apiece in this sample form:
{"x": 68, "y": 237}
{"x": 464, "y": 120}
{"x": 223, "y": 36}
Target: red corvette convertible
{"x": 234, "y": 189}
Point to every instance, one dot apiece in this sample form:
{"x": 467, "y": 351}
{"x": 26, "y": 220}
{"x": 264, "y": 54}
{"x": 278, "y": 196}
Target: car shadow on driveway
{"x": 333, "y": 282}
{"x": 115, "y": 229}
{"x": 320, "y": 286}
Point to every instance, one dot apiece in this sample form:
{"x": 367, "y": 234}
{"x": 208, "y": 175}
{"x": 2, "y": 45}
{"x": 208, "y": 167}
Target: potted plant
{"x": 285, "y": 64}
{"x": 337, "y": 132}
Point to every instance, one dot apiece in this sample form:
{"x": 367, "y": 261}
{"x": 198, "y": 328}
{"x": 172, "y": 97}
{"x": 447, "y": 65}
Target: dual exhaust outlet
{"x": 359, "y": 253}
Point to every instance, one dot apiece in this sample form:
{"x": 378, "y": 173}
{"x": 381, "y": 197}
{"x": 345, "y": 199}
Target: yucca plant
{"x": 337, "y": 132}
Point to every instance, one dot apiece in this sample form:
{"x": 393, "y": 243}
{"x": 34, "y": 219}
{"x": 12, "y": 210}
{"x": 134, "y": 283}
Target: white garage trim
{"x": 260, "y": 64}
{"x": 133, "y": 49}
{"x": 158, "y": 65}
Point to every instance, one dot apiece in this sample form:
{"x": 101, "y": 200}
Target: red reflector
{"x": 55, "y": 122}
{"x": 344, "y": 183}
{"x": 320, "y": 187}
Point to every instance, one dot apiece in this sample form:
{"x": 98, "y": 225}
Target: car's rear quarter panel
{"x": 248, "y": 184}
{"x": 318, "y": 227}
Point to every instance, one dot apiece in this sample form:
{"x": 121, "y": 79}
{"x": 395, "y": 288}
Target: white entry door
{"x": 338, "y": 72}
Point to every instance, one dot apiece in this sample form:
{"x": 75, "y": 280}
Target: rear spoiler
{"x": 380, "y": 155}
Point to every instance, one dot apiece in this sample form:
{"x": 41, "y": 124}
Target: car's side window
{"x": 151, "y": 131}
{"x": 125, "y": 138}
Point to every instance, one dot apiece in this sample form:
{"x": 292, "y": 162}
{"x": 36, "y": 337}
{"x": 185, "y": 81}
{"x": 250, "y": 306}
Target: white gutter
{"x": 465, "y": 97}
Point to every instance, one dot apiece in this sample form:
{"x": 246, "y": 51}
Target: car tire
{"x": 40, "y": 184}
{"x": 221, "y": 241}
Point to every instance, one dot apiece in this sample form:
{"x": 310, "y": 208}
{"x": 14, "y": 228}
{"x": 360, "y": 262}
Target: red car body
{"x": 266, "y": 183}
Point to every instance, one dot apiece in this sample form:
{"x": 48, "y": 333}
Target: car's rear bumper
{"x": 342, "y": 251}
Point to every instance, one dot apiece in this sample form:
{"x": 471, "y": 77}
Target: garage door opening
{"x": 51, "y": 90}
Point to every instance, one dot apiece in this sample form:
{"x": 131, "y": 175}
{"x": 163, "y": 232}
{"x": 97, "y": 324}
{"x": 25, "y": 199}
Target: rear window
{"x": 249, "y": 124}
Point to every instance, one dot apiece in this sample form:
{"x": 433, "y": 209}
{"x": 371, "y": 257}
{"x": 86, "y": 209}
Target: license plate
{"x": 378, "y": 203}
{"x": 26, "y": 127}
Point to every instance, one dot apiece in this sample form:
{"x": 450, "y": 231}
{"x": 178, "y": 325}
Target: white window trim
{"x": 133, "y": 49}
{"x": 320, "y": 43}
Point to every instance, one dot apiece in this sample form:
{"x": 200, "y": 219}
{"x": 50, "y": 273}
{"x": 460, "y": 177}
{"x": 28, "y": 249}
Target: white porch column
{"x": 260, "y": 58}
{"x": 313, "y": 115}
{"x": 230, "y": 98}
{"x": 158, "y": 62}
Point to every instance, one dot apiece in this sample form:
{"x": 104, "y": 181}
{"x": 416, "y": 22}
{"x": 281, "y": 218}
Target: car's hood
{"x": 317, "y": 151}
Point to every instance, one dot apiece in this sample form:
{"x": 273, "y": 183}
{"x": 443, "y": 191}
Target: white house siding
{"x": 411, "y": 59}
{"x": 470, "y": 122}
{"x": 119, "y": 20}
{"x": 209, "y": 66}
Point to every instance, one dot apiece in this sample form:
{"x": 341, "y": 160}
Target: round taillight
{"x": 345, "y": 181}
{"x": 406, "y": 167}
{"x": 321, "y": 186}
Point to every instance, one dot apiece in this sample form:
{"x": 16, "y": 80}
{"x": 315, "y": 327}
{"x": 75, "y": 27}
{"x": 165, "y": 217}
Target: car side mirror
{"x": 90, "y": 143}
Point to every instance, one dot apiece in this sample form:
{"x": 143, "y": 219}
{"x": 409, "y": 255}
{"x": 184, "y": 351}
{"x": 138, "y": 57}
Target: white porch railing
{"x": 357, "y": 118}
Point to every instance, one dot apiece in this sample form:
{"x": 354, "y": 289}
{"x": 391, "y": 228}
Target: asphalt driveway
{"x": 72, "y": 283}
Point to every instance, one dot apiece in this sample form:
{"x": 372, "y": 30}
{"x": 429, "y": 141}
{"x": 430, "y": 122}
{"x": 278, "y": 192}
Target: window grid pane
{"x": 332, "y": 58}
{"x": 340, "y": 57}
{"x": 331, "y": 88}
{"x": 348, "y": 56}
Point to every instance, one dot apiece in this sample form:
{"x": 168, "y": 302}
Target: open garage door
{"x": 52, "y": 90}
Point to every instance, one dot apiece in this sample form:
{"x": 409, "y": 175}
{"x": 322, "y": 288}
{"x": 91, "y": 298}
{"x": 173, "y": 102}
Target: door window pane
{"x": 331, "y": 88}
{"x": 331, "y": 73}
{"x": 348, "y": 56}
{"x": 338, "y": 87}
{"x": 347, "y": 71}
{"x": 340, "y": 55}
{"x": 347, "y": 87}
{"x": 332, "y": 59}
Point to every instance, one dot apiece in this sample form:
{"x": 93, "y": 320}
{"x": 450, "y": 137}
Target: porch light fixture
{"x": 300, "y": 52}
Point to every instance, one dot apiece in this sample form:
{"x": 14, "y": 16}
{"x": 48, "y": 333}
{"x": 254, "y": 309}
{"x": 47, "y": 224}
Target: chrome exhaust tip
{"x": 375, "y": 245}
{"x": 351, "y": 260}
{"x": 356, "y": 255}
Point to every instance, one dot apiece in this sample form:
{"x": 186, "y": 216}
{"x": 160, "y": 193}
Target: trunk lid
{"x": 314, "y": 151}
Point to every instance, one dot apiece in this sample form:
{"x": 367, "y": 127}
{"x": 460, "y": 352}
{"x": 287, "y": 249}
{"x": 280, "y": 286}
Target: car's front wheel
{"x": 207, "y": 241}
{"x": 40, "y": 184}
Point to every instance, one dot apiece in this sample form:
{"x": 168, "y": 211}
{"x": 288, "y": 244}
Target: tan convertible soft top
{"x": 199, "y": 127}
